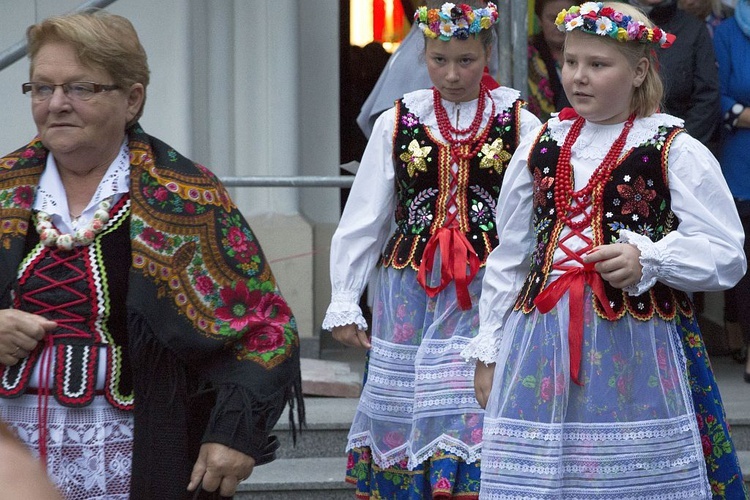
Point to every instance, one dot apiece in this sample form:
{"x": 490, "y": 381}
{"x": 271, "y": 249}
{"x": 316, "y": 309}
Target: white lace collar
{"x": 51, "y": 198}
{"x": 420, "y": 104}
{"x": 595, "y": 140}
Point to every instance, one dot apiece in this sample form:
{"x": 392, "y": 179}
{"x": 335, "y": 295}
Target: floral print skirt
{"x": 646, "y": 422}
{"x": 417, "y": 432}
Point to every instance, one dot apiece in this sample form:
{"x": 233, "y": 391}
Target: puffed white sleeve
{"x": 508, "y": 264}
{"x": 364, "y": 226}
{"x": 705, "y": 252}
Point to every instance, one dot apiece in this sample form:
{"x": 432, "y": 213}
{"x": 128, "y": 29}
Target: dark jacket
{"x": 688, "y": 69}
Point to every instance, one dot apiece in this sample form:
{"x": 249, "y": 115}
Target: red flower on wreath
{"x": 636, "y": 197}
{"x": 541, "y": 186}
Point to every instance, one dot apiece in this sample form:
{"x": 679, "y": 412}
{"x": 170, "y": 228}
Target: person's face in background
{"x": 598, "y": 79}
{"x": 553, "y": 36}
{"x": 699, "y": 8}
{"x": 456, "y": 66}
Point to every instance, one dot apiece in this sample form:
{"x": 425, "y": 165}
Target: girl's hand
{"x": 352, "y": 336}
{"x": 483, "y": 376}
{"x": 618, "y": 263}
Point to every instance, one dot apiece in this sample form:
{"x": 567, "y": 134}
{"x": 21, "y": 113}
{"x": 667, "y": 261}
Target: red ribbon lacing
{"x": 574, "y": 281}
{"x": 62, "y": 315}
{"x": 458, "y": 259}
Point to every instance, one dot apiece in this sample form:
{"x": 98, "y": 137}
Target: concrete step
{"x": 298, "y": 478}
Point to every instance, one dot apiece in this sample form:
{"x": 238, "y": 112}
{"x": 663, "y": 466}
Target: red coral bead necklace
{"x": 564, "y": 194}
{"x": 458, "y": 137}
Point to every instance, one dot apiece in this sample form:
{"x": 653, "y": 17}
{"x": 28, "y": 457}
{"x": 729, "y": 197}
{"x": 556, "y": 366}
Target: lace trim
{"x": 650, "y": 260}
{"x": 511, "y": 492}
{"x": 420, "y": 104}
{"x": 468, "y": 454}
{"x": 333, "y": 319}
{"x": 454, "y": 401}
{"x": 589, "y": 431}
{"x": 595, "y": 140}
{"x": 390, "y": 350}
{"x": 439, "y": 373}
{"x": 485, "y": 347}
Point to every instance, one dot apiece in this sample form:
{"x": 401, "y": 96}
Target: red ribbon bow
{"x": 456, "y": 253}
{"x": 574, "y": 281}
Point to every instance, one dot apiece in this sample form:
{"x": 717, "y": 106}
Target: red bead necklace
{"x": 470, "y": 134}
{"x": 564, "y": 194}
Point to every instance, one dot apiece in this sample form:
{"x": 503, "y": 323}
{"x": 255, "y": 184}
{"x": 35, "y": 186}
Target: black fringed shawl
{"x": 212, "y": 344}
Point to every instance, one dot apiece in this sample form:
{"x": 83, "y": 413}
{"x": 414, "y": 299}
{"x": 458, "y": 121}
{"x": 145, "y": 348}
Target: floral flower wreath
{"x": 453, "y": 20}
{"x": 593, "y": 18}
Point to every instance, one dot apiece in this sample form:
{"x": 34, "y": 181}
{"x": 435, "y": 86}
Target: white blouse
{"x": 369, "y": 213}
{"x": 705, "y": 253}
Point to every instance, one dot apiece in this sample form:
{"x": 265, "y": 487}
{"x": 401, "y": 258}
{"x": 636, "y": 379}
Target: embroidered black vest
{"x": 635, "y": 197}
{"x": 422, "y": 165}
{"x": 91, "y": 283}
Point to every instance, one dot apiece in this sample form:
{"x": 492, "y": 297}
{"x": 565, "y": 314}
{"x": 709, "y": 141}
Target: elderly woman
{"x": 145, "y": 349}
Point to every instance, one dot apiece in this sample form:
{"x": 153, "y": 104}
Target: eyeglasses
{"x": 78, "y": 91}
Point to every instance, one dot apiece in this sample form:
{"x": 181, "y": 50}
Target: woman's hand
{"x": 20, "y": 332}
{"x": 483, "y": 376}
{"x": 220, "y": 468}
{"x": 618, "y": 263}
{"x": 352, "y": 336}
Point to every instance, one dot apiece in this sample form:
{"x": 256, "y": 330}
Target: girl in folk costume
{"x": 422, "y": 210}
{"x": 608, "y": 216}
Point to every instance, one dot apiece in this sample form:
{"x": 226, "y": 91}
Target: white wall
{"x": 247, "y": 87}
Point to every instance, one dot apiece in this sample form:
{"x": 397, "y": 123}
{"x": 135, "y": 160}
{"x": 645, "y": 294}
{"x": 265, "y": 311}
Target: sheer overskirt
{"x": 419, "y": 394}
{"x": 629, "y": 431}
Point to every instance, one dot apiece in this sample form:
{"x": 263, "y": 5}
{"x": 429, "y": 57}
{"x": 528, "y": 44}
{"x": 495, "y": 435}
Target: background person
{"x": 421, "y": 208}
{"x": 145, "y": 349}
{"x": 589, "y": 352}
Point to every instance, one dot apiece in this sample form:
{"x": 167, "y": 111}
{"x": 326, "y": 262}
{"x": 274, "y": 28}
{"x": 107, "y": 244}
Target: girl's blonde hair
{"x": 647, "y": 97}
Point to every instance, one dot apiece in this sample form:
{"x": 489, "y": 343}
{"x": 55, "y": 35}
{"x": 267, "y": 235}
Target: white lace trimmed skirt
{"x": 418, "y": 398}
{"x": 89, "y": 450}
{"x": 629, "y": 432}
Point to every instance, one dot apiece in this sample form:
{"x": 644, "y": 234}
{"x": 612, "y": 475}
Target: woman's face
{"x": 456, "y": 66}
{"x": 598, "y": 79}
{"x": 88, "y": 133}
{"x": 553, "y": 36}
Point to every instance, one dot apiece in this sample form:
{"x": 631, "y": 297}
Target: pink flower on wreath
{"x": 443, "y": 485}
{"x": 401, "y": 311}
{"x": 272, "y": 308}
{"x": 28, "y": 153}
{"x": 350, "y": 462}
{"x": 190, "y": 208}
{"x": 264, "y": 338}
{"x": 237, "y": 240}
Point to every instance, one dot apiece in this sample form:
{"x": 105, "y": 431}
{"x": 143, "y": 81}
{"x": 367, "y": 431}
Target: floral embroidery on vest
{"x": 422, "y": 164}
{"x": 635, "y": 198}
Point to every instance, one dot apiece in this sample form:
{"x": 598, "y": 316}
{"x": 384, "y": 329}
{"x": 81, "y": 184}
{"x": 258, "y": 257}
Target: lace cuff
{"x": 344, "y": 310}
{"x": 484, "y": 347}
{"x": 650, "y": 260}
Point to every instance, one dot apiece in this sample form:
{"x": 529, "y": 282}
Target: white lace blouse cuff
{"x": 484, "y": 347}
{"x": 344, "y": 310}
{"x": 650, "y": 259}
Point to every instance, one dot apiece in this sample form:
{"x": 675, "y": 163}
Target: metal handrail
{"x": 289, "y": 181}
{"x": 19, "y": 49}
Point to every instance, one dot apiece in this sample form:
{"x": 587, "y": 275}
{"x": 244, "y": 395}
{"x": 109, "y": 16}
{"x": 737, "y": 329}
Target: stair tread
{"x": 299, "y": 474}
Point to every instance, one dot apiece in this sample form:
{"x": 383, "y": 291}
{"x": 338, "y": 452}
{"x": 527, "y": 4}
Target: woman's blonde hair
{"x": 101, "y": 40}
{"x": 648, "y": 96}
